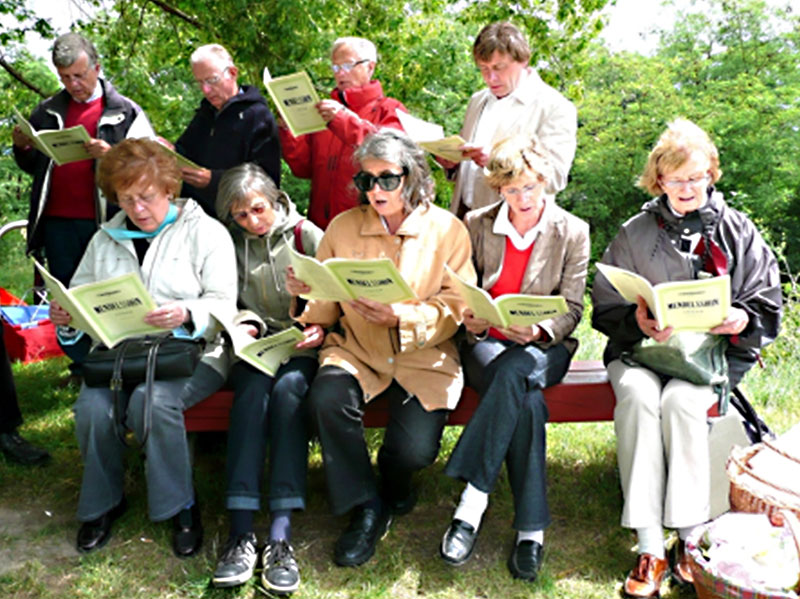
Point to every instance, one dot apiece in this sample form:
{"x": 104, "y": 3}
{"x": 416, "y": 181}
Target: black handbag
{"x": 143, "y": 359}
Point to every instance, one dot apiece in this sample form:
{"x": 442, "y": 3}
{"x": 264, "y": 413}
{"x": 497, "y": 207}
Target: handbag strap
{"x": 119, "y": 401}
{"x": 756, "y": 429}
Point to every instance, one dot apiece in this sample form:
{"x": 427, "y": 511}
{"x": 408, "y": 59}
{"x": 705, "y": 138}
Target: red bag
{"x": 28, "y": 334}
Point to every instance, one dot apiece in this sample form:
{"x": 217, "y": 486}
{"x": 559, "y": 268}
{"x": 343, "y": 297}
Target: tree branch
{"x": 178, "y": 13}
{"x": 18, "y": 76}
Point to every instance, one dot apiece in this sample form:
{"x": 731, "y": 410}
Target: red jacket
{"x": 326, "y": 157}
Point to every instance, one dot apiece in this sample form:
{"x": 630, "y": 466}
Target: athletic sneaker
{"x": 237, "y": 562}
{"x": 280, "y": 573}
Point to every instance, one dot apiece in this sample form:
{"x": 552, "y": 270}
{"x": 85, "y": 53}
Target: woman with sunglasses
{"x": 402, "y": 353}
{"x": 523, "y": 244}
{"x": 686, "y": 232}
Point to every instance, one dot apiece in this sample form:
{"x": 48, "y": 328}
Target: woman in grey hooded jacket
{"x": 264, "y": 225}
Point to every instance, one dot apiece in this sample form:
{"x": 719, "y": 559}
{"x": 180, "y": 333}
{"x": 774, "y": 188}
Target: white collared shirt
{"x": 503, "y": 226}
{"x": 97, "y": 93}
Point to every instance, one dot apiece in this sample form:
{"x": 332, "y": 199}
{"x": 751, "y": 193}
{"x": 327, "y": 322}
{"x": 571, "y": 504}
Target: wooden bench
{"x": 585, "y": 395}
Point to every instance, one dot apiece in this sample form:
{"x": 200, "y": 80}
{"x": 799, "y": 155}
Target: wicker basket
{"x": 761, "y": 492}
{"x": 709, "y": 586}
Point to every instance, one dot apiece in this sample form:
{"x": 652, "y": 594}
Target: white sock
{"x": 530, "y": 535}
{"x": 651, "y": 540}
{"x": 472, "y": 505}
{"x": 684, "y": 532}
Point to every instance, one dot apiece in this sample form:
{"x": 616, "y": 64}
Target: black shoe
{"x": 458, "y": 542}
{"x": 95, "y": 533}
{"x": 237, "y": 562}
{"x": 357, "y": 543}
{"x": 403, "y": 505}
{"x": 21, "y": 451}
{"x": 280, "y": 573}
{"x": 525, "y": 560}
{"x": 187, "y": 534}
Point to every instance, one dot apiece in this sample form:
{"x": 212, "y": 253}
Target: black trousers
{"x": 509, "y": 423}
{"x": 410, "y": 443}
{"x": 10, "y": 416}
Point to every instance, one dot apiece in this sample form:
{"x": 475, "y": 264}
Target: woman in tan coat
{"x": 403, "y": 350}
{"x": 524, "y": 244}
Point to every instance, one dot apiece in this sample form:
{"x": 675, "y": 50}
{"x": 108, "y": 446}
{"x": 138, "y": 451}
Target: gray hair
{"x": 214, "y": 52}
{"x": 242, "y": 180}
{"x": 392, "y": 145}
{"x": 363, "y": 47}
{"x": 68, "y": 47}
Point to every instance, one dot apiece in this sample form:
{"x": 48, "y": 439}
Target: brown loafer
{"x": 682, "y": 570}
{"x": 646, "y": 578}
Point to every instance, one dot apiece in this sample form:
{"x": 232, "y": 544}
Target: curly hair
{"x": 131, "y": 160}
{"x": 513, "y": 157}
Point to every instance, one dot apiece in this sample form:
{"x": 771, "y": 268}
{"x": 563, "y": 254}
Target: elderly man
{"x": 357, "y": 108}
{"x": 515, "y": 100}
{"x": 65, "y": 205}
{"x": 232, "y": 125}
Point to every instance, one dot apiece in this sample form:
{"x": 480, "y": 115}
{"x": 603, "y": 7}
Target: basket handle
{"x": 745, "y": 468}
{"x": 780, "y": 451}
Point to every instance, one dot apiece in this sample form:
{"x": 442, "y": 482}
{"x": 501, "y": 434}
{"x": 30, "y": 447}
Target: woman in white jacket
{"x": 186, "y": 260}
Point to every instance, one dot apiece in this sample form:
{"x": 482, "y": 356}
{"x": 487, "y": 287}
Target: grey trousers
{"x": 168, "y": 467}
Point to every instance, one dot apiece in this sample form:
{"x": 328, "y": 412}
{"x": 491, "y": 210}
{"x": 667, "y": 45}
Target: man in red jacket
{"x": 357, "y": 108}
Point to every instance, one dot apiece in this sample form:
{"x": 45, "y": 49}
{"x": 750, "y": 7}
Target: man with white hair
{"x": 232, "y": 125}
{"x": 65, "y": 204}
{"x": 356, "y": 108}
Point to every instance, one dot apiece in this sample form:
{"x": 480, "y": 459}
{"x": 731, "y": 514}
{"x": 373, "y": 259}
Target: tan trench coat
{"x": 419, "y": 353}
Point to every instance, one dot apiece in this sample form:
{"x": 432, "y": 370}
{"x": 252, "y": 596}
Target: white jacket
{"x": 191, "y": 261}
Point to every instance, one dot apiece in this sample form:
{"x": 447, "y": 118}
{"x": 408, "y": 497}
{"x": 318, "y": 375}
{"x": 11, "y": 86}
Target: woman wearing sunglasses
{"x": 403, "y": 352}
{"x": 523, "y": 244}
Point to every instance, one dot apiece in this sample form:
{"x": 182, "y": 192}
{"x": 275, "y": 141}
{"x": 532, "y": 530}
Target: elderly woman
{"x": 264, "y": 225}
{"x": 401, "y": 352}
{"x": 687, "y": 232}
{"x": 523, "y": 244}
{"x": 186, "y": 261}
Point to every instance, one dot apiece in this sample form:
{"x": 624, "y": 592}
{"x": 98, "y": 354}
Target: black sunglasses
{"x": 387, "y": 181}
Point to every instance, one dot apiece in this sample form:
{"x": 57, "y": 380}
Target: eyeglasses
{"x": 67, "y": 78}
{"x": 347, "y": 66}
{"x": 212, "y": 81}
{"x": 145, "y": 200}
{"x": 387, "y": 181}
{"x": 528, "y": 190}
{"x": 690, "y": 182}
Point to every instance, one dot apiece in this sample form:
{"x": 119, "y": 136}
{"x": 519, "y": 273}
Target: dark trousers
{"x": 65, "y": 241}
{"x": 275, "y": 408}
{"x": 410, "y": 442}
{"x": 509, "y": 423}
{"x": 10, "y": 417}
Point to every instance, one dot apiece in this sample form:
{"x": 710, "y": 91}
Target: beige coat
{"x": 419, "y": 353}
{"x": 540, "y": 111}
{"x": 557, "y": 265}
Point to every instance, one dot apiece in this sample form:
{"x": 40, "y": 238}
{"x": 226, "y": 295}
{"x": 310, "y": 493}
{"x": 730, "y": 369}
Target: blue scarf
{"x": 120, "y": 234}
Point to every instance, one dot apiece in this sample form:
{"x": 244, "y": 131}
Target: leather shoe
{"x": 682, "y": 570}
{"x": 95, "y": 533}
{"x": 21, "y": 451}
{"x": 187, "y": 534}
{"x": 458, "y": 542}
{"x": 357, "y": 543}
{"x": 525, "y": 560}
{"x": 646, "y": 578}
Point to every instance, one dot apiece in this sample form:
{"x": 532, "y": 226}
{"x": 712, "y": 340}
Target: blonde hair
{"x": 513, "y": 157}
{"x": 131, "y": 160}
{"x": 673, "y": 149}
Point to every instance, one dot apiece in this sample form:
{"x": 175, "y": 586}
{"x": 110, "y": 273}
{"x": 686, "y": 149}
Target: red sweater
{"x": 72, "y": 191}
{"x": 511, "y": 274}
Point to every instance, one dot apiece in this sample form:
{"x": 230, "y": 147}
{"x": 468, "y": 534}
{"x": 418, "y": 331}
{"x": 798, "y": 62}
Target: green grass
{"x": 587, "y": 553}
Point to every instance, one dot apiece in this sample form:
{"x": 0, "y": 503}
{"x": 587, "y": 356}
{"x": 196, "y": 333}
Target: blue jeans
{"x": 509, "y": 423}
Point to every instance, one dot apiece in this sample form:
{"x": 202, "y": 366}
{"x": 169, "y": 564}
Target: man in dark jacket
{"x": 66, "y": 206}
{"x": 233, "y": 125}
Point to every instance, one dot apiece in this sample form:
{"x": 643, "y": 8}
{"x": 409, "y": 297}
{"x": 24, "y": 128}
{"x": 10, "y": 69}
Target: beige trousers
{"x": 662, "y": 448}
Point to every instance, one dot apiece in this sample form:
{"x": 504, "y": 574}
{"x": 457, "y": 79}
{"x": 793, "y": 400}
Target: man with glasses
{"x": 65, "y": 205}
{"x": 356, "y": 108}
{"x": 232, "y": 125}
{"x": 515, "y": 101}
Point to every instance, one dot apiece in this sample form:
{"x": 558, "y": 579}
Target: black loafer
{"x": 21, "y": 451}
{"x": 187, "y": 534}
{"x": 525, "y": 560}
{"x": 458, "y": 542}
{"x": 95, "y": 533}
{"x": 357, "y": 543}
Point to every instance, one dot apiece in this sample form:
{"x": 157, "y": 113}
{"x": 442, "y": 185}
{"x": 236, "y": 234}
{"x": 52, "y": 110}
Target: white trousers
{"x": 662, "y": 448}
